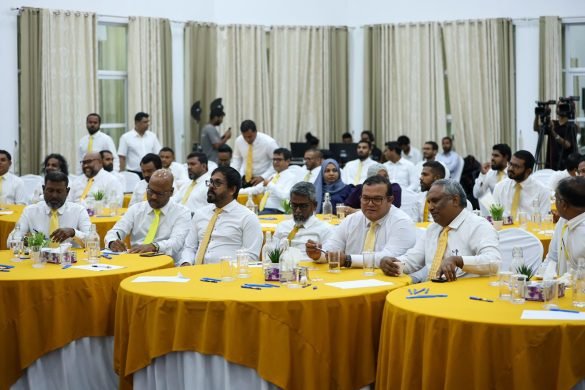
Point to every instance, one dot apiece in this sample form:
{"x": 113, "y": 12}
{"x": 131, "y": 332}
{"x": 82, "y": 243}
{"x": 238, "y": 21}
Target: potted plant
{"x": 272, "y": 273}
{"x": 35, "y": 243}
{"x": 497, "y": 213}
{"x": 287, "y": 208}
{"x": 99, "y": 198}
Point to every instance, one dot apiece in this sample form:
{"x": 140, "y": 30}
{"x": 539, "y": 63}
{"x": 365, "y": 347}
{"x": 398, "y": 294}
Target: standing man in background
{"x": 448, "y": 156}
{"x": 96, "y": 141}
{"x": 136, "y": 143}
{"x": 210, "y": 138}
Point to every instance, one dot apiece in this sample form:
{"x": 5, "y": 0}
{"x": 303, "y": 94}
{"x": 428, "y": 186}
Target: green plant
{"x": 286, "y": 206}
{"x": 526, "y": 271}
{"x": 99, "y": 195}
{"x": 274, "y": 255}
{"x": 497, "y": 212}
{"x": 37, "y": 239}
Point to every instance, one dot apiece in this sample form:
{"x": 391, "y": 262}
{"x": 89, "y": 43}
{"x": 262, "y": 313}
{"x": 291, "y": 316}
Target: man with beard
{"x": 457, "y": 244}
{"x": 449, "y": 157}
{"x": 167, "y": 157}
{"x": 520, "y": 192}
{"x": 313, "y": 159}
{"x": 193, "y": 194}
{"x": 224, "y": 156}
{"x": 57, "y": 219}
{"x": 356, "y": 171}
{"x": 155, "y": 225}
{"x": 94, "y": 179}
{"x": 148, "y": 165}
{"x": 430, "y": 150}
{"x": 494, "y": 172}
{"x": 304, "y": 226}
{"x": 223, "y": 226}
{"x": 108, "y": 164}
{"x": 96, "y": 140}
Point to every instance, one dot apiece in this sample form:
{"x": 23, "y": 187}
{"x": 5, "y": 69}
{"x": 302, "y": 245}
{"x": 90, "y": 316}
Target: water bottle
{"x": 517, "y": 259}
{"x": 536, "y": 216}
{"x": 266, "y": 263}
{"x": 250, "y": 205}
{"x": 327, "y": 208}
{"x": 16, "y": 244}
{"x": 92, "y": 245}
{"x": 579, "y": 284}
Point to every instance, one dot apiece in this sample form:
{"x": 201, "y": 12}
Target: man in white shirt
{"x": 379, "y": 227}
{"x": 210, "y": 138}
{"x": 409, "y": 153}
{"x": 429, "y": 151}
{"x": 571, "y": 164}
{"x": 304, "y": 226}
{"x": 520, "y": 192}
{"x": 449, "y": 157}
{"x": 94, "y": 179}
{"x": 136, "y": 143}
{"x": 313, "y": 160}
{"x": 108, "y": 165}
{"x": 155, "y": 225}
{"x": 179, "y": 171}
{"x": 431, "y": 172}
{"x": 568, "y": 243}
{"x": 400, "y": 170}
{"x": 459, "y": 243}
{"x": 96, "y": 141}
{"x": 356, "y": 171}
{"x": 494, "y": 172}
{"x": 11, "y": 186}
{"x": 59, "y": 220}
{"x": 149, "y": 164}
{"x": 253, "y": 154}
{"x": 193, "y": 194}
{"x": 224, "y": 226}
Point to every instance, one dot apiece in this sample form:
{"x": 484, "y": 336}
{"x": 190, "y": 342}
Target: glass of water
{"x": 16, "y": 246}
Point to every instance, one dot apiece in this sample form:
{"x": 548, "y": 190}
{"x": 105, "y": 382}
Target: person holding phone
{"x": 210, "y": 138}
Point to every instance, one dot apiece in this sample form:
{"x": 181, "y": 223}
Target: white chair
{"x": 531, "y": 247}
{"x": 457, "y": 174}
{"x": 131, "y": 180}
{"x": 32, "y": 183}
{"x": 409, "y": 203}
{"x": 543, "y": 176}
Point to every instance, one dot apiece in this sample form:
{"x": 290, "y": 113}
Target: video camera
{"x": 566, "y": 106}
{"x": 543, "y": 110}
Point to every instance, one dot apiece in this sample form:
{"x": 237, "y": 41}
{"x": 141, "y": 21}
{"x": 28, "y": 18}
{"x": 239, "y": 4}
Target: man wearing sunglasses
{"x": 379, "y": 227}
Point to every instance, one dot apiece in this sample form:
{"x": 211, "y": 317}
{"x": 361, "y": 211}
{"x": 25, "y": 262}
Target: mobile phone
{"x": 439, "y": 280}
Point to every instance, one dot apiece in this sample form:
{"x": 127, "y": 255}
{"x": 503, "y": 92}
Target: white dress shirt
{"x": 471, "y": 237}
{"x": 279, "y": 191}
{"x": 179, "y": 172}
{"x": 419, "y": 167}
{"x": 420, "y": 202}
{"x": 198, "y": 197}
{"x": 351, "y": 169}
{"x": 262, "y": 153}
{"x": 487, "y": 182}
{"x": 71, "y": 215}
{"x": 133, "y": 146}
{"x": 236, "y": 228}
{"x": 395, "y": 234}
{"x": 101, "y": 141}
{"x": 451, "y": 160}
{"x": 103, "y": 181}
{"x": 139, "y": 193}
{"x": 12, "y": 189}
{"x": 313, "y": 229}
{"x": 414, "y": 156}
{"x": 313, "y": 173}
{"x": 404, "y": 173}
{"x": 171, "y": 232}
{"x": 565, "y": 250}
{"x": 531, "y": 191}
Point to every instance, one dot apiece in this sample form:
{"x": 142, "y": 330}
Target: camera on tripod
{"x": 543, "y": 110}
{"x": 566, "y": 106}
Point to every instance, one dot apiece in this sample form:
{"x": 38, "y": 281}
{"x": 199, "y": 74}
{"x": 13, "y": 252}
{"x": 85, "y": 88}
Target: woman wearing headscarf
{"x": 329, "y": 180}
{"x": 353, "y": 201}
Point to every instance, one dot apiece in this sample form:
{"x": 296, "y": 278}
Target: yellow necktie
{"x": 267, "y": 193}
{"x": 294, "y": 232}
{"x": 90, "y": 144}
{"x": 53, "y": 222}
{"x": 207, "y": 237}
{"x": 153, "y": 228}
{"x": 441, "y": 248}
{"x": 500, "y": 176}
{"x": 516, "y": 201}
{"x": 370, "y": 242}
{"x": 307, "y": 176}
{"x": 249, "y": 161}
{"x": 426, "y": 212}
{"x": 86, "y": 189}
{"x": 188, "y": 192}
{"x": 358, "y": 174}
{"x": 145, "y": 197}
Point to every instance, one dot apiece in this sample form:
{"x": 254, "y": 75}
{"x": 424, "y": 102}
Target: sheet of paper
{"x": 255, "y": 264}
{"x": 6, "y": 212}
{"x": 165, "y": 279}
{"x": 487, "y": 200}
{"x": 552, "y": 315}
{"x": 98, "y": 267}
{"x": 364, "y": 283}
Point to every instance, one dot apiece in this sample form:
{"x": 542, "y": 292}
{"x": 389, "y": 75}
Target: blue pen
{"x": 427, "y": 291}
{"x": 66, "y": 266}
{"x": 410, "y": 291}
{"x": 266, "y": 285}
{"x": 564, "y": 310}
{"x": 250, "y": 287}
{"x": 427, "y": 296}
{"x": 105, "y": 256}
{"x": 7, "y": 266}
{"x": 416, "y": 292}
{"x": 210, "y": 280}
{"x": 480, "y": 299}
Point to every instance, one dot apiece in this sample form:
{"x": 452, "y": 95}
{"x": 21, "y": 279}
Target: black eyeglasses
{"x": 377, "y": 200}
{"x": 152, "y": 192}
{"x": 214, "y": 183}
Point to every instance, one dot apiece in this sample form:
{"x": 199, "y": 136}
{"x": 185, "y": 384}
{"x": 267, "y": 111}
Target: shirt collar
{"x": 164, "y": 210}
{"x": 381, "y": 220}
{"x": 459, "y": 219}
{"x": 229, "y": 207}
{"x": 578, "y": 220}
{"x": 60, "y": 210}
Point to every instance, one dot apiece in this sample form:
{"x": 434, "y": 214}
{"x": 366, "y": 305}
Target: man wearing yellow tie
{"x": 55, "y": 217}
{"x": 193, "y": 193}
{"x": 313, "y": 160}
{"x": 95, "y": 141}
{"x": 378, "y": 227}
{"x": 154, "y": 225}
{"x": 356, "y": 171}
{"x": 94, "y": 179}
{"x": 492, "y": 173}
{"x": 457, "y": 244}
{"x": 224, "y": 226}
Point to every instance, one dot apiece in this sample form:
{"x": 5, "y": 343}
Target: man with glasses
{"x": 155, "y": 225}
{"x": 379, "y": 227}
{"x": 313, "y": 160}
{"x": 304, "y": 226}
{"x": 223, "y": 226}
{"x": 94, "y": 179}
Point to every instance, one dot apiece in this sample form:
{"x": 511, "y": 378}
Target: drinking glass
{"x": 16, "y": 246}
{"x": 550, "y": 293}
{"x": 242, "y": 263}
{"x": 227, "y": 268}
{"x": 523, "y": 219}
{"x": 369, "y": 263}
{"x": 494, "y": 270}
{"x": 340, "y": 209}
{"x": 64, "y": 254}
{"x": 505, "y": 283}
{"x": 518, "y": 288}
{"x": 334, "y": 261}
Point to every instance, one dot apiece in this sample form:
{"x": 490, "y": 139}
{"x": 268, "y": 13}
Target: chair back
{"x": 531, "y": 247}
{"x": 131, "y": 180}
{"x": 409, "y": 204}
{"x": 31, "y": 184}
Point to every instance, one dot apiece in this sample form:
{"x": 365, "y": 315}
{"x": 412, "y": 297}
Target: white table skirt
{"x": 87, "y": 363}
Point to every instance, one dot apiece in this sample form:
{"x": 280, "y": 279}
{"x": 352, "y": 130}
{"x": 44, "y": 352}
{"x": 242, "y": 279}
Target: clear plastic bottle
{"x": 16, "y": 244}
{"x": 92, "y": 245}
{"x": 327, "y": 208}
{"x": 517, "y": 259}
{"x": 536, "y": 216}
{"x": 266, "y": 249}
{"x": 579, "y": 284}
{"x": 250, "y": 204}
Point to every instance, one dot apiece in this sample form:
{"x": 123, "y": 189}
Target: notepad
{"x": 164, "y": 279}
{"x": 98, "y": 267}
{"x": 552, "y": 315}
{"x": 364, "y": 283}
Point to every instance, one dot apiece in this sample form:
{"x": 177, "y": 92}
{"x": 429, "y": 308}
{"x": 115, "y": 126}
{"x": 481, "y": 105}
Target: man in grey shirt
{"x": 210, "y": 138}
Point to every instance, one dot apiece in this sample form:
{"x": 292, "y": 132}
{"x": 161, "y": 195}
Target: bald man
{"x": 94, "y": 179}
{"x": 154, "y": 225}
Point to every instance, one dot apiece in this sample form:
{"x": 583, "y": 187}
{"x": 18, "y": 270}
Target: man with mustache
{"x": 95, "y": 141}
{"x": 193, "y": 194}
{"x": 148, "y": 165}
{"x": 94, "y": 179}
{"x": 492, "y": 172}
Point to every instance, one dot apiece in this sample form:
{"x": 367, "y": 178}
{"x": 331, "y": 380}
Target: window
{"x": 113, "y": 78}
{"x": 574, "y": 66}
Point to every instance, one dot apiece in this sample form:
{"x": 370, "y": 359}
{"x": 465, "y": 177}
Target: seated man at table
{"x": 224, "y": 226}
{"x": 11, "y": 186}
{"x": 94, "y": 179}
{"x": 379, "y": 227}
{"x": 568, "y": 243}
{"x": 148, "y": 165}
{"x": 193, "y": 193}
{"x": 155, "y": 225}
{"x": 57, "y": 219}
{"x": 457, "y": 244}
{"x": 304, "y": 226}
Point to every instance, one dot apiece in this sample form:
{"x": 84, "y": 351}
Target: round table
{"x": 459, "y": 343}
{"x": 44, "y": 309}
{"x": 293, "y": 338}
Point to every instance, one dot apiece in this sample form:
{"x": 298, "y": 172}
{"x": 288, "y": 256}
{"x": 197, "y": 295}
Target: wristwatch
{"x": 347, "y": 263}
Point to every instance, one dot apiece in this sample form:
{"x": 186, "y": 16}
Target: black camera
{"x": 566, "y": 106}
{"x": 542, "y": 108}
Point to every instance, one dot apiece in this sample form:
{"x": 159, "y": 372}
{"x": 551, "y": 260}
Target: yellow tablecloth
{"x": 294, "y": 338}
{"x": 458, "y": 343}
{"x": 243, "y": 198}
{"x": 45, "y": 309}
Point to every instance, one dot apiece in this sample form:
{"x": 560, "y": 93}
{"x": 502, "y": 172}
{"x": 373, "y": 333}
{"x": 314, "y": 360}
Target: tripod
{"x": 542, "y": 130}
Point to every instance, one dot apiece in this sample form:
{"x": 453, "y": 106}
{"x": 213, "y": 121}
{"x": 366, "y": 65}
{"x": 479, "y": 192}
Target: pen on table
{"x": 66, "y": 266}
{"x": 427, "y": 296}
{"x": 564, "y": 310}
{"x": 106, "y": 256}
{"x": 306, "y": 285}
{"x": 4, "y": 270}
{"x": 118, "y": 235}
{"x": 416, "y": 292}
{"x": 410, "y": 292}
{"x": 266, "y": 285}
{"x": 100, "y": 266}
{"x": 250, "y": 287}
{"x": 480, "y": 299}
{"x": 209, "y": 281}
